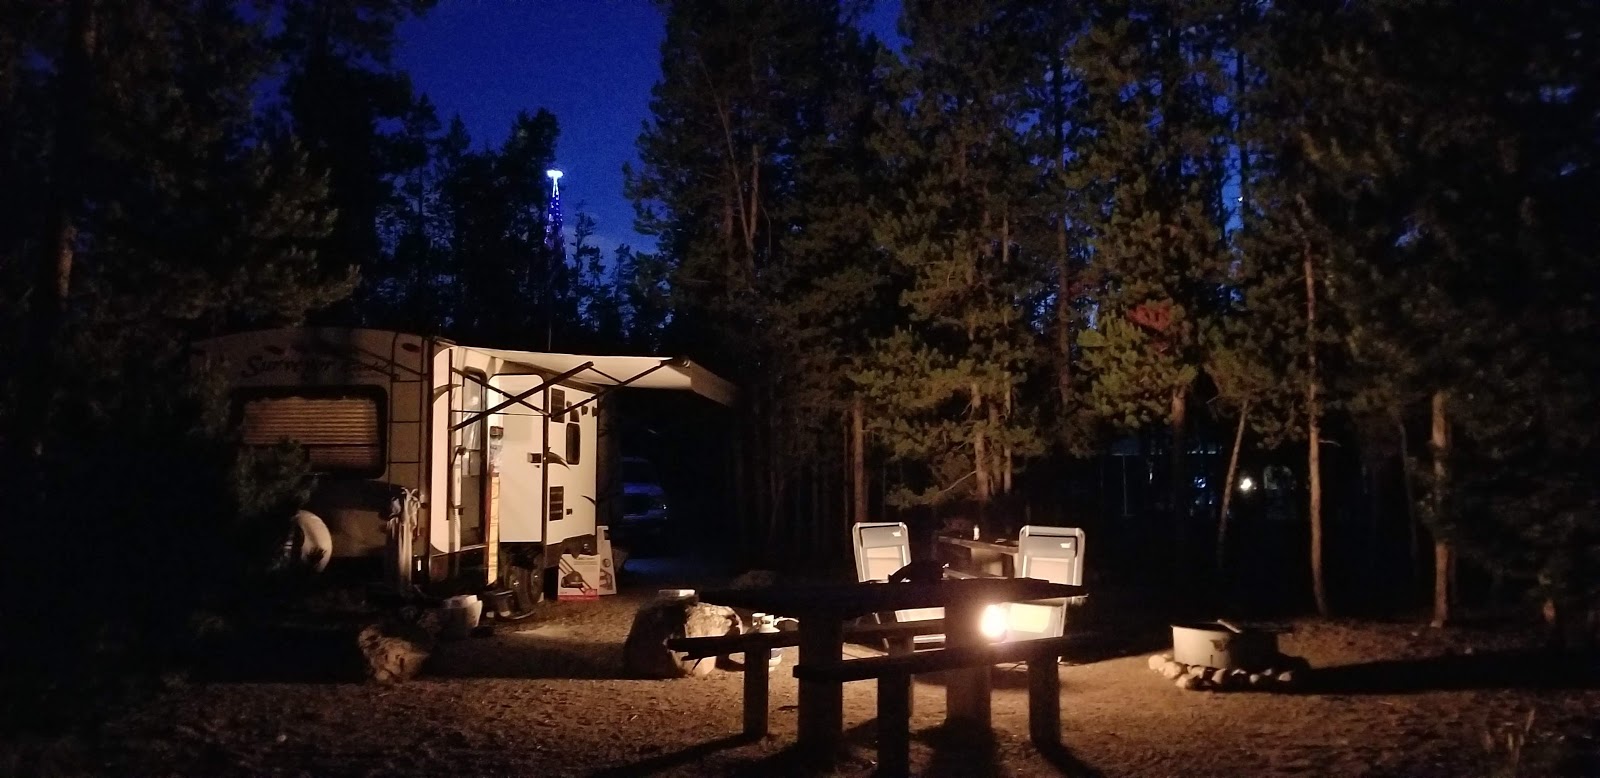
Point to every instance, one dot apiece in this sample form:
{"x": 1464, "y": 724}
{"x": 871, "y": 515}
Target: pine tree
{"x": 733, "y": 184}
{"x": 341, "y": 90}
{"x": 183, "y": 214}
{"x": 405, "y": 291}
{"x": 1429, "y": 152}
{"x": 949, "y": 380}
{"x": 1152, "y": 75}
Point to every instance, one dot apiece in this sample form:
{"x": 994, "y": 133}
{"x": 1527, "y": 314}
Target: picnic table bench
{"x": 894, "y": 672}
{"x": 757, "y": 648}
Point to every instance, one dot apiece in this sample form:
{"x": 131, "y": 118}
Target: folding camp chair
{"x": 1053, "y": 554}
{"x": 881, "y": 549}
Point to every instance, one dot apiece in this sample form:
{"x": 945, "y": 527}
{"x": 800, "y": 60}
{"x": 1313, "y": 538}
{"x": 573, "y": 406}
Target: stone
{"x": 1218, "y": 677}
{"x": 394, "y": 651}
{"x": 1174, "y": 670}
{"x": 1198, "y": 671}
{"x": 1156, "y": 662}
{"x": 1189, "y": 683}
{"x": 1287, "y": 677}
{"x": 645, "y": 654}
{"x": 1255, "y": 680}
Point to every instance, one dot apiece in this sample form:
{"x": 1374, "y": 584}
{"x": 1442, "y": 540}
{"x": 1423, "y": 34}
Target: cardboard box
{"x": 608, "y": 563}
{"x": 578, "y": 577}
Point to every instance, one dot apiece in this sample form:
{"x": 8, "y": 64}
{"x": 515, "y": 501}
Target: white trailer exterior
{"x": 463, "y": 430}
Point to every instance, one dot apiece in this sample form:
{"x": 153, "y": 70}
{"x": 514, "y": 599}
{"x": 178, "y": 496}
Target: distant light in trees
{"x": 1247, "y": 484}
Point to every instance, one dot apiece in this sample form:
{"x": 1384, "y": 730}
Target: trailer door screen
{"x": 339, "y": 434}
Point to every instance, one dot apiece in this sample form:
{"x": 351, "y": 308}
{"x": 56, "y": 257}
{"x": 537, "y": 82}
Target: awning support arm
{"x": 520, "y": 396}
{"x": 619, "y": 384}
{"x": 497, "y": 390}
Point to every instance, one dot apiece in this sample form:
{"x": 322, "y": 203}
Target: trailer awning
{"x": 643, "y": 372}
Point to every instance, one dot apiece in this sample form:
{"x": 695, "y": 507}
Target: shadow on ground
{"x": 1493, "y": 670}
{"x": 528, "y": 655}
{"x": 791, "y": 760}
{"x": 956, "y": 753}
{"x": 284, "y": 654}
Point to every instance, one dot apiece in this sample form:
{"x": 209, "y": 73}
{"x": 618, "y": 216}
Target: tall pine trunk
{"x": 52, "y": 283}
{"x": 1227, "y": 488}
{"x": 858, "y": 458}
{"x": 1314, "y": 440}
{"x": 1443, "y": 557}
{"x": 980, "y": 458}
{"x": 1411, "y": 501}
{"x": 1063, "y": 262}
{"x": 1177, "y": 486}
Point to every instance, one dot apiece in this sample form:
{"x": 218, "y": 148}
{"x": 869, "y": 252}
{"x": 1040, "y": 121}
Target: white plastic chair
{"x": 881, "y": 548}
{"x": 1053, "y": 554}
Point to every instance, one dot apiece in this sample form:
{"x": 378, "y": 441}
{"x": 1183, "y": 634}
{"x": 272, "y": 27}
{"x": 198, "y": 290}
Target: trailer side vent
{"x": 558, "y": 508}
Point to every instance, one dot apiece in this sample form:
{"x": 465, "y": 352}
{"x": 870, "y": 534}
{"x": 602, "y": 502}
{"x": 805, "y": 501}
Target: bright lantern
{"x": 993, "y": 625}
{"x": 1246, "y": 484}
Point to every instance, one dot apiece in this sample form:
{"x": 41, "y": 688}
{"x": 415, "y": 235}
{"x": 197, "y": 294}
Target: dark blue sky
{"x": 590, "y": 62}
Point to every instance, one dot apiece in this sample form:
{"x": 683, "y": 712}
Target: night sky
{"x": 590, "y": 62}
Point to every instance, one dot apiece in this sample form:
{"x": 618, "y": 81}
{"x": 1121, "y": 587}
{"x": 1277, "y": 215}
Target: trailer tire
{"x": 523, "y": 575}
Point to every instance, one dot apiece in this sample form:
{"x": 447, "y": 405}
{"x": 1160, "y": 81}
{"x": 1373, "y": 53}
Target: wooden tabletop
{"x": 846, "y": 600}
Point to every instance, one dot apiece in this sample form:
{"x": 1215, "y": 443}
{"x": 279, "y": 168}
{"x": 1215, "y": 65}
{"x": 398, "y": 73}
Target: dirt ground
{"x": 550, "y": 699}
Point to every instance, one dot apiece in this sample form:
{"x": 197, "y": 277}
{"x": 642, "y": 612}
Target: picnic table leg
{"x": 821, "y": 702}
{"x": 901, "y": 646}
{"x": 755, "y": 691}
{"x": 894, "y": 725}
{"x": 1044, "y": 702}
{"x": 967, "y": 690}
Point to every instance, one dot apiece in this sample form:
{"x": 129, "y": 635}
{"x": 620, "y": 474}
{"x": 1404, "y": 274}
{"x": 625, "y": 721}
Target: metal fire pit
{"x": 1222, "y": 645}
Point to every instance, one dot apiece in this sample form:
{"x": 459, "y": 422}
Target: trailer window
{"x": 574, "y": 443}
{"x": 558, "y": 405}
{"x": 340, "y": 433}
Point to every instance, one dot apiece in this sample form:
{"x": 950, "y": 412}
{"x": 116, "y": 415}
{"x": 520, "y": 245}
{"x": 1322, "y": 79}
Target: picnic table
{"x": 981, "y": 557}
{"x": 823, "y": 609}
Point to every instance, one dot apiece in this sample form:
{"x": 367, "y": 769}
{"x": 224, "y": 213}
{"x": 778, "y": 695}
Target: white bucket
{"x": 461, "y": 615}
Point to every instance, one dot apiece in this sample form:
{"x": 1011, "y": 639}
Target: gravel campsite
{"x": 549, "y": 696}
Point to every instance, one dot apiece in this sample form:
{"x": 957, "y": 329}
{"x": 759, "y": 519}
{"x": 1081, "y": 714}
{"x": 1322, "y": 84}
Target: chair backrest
{"x": 881, "y": 548}
{"x": 1053, "y": 554}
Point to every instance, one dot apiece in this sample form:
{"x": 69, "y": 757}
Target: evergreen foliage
{"x": 1315, "y": 228}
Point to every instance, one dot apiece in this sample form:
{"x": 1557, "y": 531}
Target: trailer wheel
{"x": 523, "y": 576}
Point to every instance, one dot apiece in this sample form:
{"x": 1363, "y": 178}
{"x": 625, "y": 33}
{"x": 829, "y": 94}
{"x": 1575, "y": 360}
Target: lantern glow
{"x": 994, "y": 624}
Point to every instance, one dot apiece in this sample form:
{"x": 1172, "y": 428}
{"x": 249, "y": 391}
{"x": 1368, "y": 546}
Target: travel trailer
{"x": 439, "y": 462}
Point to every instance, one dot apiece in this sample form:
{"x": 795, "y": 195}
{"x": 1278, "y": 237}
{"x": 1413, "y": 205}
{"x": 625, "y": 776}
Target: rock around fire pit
{"x": 1220, "y": 656}
{"x": 1287, "y": 673}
